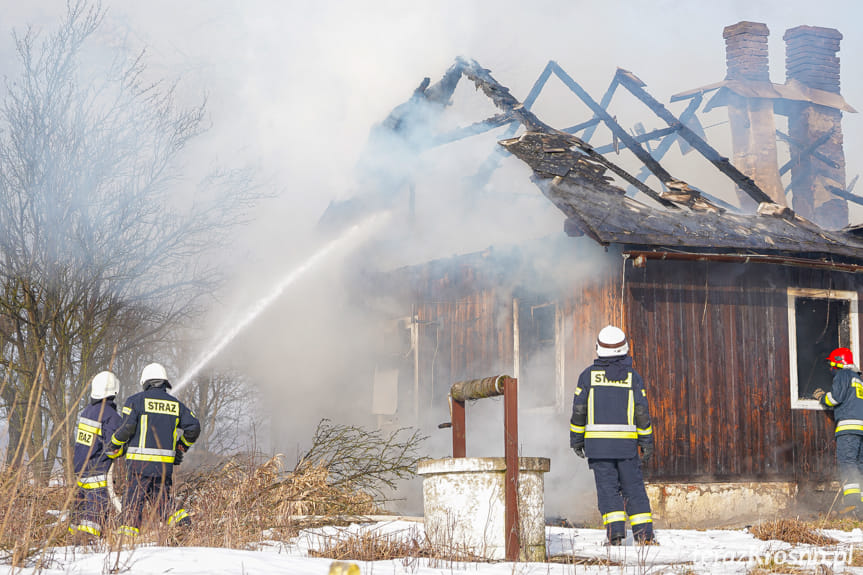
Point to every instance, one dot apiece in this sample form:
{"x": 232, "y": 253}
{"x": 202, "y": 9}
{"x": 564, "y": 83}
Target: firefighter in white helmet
{"x": 149, "y": 434}
{"x": 610, "y": 421}
{"x": 96, "y": 425}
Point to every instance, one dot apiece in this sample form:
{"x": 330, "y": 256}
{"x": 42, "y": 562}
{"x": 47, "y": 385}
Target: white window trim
{"x": 793, "y": 294}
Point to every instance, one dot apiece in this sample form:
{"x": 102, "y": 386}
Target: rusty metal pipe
{"x": 477, "y": 388}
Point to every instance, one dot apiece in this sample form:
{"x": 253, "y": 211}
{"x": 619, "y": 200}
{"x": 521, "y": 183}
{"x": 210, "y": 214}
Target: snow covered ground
{"x": 681, "y": 552}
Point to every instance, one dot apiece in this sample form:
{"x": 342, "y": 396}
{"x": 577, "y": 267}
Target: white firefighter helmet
{"x": 104, "y": 384}
{"x": 153, "y": 371}
{"x": 611, "y": 342}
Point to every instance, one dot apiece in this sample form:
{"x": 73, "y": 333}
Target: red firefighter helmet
{"x": 840, "y": 357}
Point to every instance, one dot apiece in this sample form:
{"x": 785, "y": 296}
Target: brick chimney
{"x": 811, "y": 60}
{"x": 753, "y": 128}
{"x": 746, "y": 51}
{"x": 810, "y": 57}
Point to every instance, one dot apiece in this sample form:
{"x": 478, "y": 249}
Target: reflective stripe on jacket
{"x": 846, "y": 400}
{"x": 152, "y": 422}
{"x": 610, "y": 417}
{"x": 96, "y": 424}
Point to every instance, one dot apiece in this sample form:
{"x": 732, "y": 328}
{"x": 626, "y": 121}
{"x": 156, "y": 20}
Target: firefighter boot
{"x": 616, "y": 532}
{"x": 125, "y": 537}
{"x": 80, "y": 537}
{"x": 851, "y": 501}
{"x": 181, "y": 530}
{"x": 642, "y": 533}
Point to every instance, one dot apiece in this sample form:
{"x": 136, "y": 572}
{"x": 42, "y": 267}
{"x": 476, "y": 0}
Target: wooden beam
{"x": 615, "y": 128}
{"x": 743, "y": 181}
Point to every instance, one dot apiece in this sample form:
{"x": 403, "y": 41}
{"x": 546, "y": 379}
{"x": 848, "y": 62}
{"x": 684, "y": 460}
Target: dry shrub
{"x": 856, "y": 556}
{"x": 235, "y": 502}
{"x": 790, "y": 531}
{"x": 370, "y": 547}
{"x": 367, "y": 459}
{"x": 839, "y": 523}
{"x": 771, "y": 567}
{"x": 375, "y": 546}
{"x": 29, "y": 516}
{"x": 584, "y": 561}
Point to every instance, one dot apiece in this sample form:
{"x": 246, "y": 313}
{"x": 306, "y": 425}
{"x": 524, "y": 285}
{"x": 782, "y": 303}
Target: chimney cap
{"x": 817, "y": 31}
{"x": 744, "y": 27}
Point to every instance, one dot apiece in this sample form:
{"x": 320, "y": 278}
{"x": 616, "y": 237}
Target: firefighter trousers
{"x": 91, "y": 510}
{"x": 849, "y": 453}
{"x": 620, "y": 493}
{"x": 155, "y": 492}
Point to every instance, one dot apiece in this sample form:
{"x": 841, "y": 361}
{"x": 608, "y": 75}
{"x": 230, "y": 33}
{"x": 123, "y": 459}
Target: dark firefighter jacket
{"x": 149, "y": 431}
{"x": 96, "y": 424}
{"x": 610, "y": 415}
{"x": 846, "y": 400}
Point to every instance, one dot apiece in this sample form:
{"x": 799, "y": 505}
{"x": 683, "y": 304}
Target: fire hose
{"x": 115, "y": 501}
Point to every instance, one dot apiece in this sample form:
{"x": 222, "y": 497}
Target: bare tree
{"x": 228, "y": 413}
{"x": 102, "y": 246}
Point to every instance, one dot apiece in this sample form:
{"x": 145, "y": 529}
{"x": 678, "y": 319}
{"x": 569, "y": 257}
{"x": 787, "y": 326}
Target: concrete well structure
{"x": 464, "y": 505}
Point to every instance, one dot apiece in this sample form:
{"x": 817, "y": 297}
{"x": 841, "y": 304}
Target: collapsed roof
{"x": 580, "y": 181}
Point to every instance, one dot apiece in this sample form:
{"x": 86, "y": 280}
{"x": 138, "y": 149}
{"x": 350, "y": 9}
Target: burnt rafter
{"x": 515, "y": 113}
{"x": 616, "y": 129}
{"x": 595, "y": 207}
{"x": 502, "y": 98}
{"x": 677, "y": 193}
{"x": 846, "y": 195}
{"x": 799, "y": 150}
{"x": 744, "y": 182}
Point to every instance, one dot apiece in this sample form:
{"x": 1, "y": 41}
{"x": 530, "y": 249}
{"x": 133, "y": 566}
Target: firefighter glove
{"x": 579, "y": 450}
{"x": 818, "y": 394}
{"x": 646, "y": 452}
{"x": 178, "y": 456}
{"x": 113, "y": 451}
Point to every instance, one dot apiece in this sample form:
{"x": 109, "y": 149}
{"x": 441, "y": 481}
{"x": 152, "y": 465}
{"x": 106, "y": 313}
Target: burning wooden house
{"x": 730, "y": 309}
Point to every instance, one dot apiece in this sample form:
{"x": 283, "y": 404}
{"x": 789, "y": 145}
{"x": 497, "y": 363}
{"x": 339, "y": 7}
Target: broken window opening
{"x": 819, "y": 322}
{"x": 539, "y": 360}
{"x": 394, "y": 393}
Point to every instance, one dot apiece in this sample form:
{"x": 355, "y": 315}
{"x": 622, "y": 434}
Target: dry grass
{"x": 370, "y": 547}
{"x": 27, "y": 523}
{"x": 840, "y": 523}
{"x": 583, "y": 561}
{"x": 856, "y": 553}
{"x": 410, "y": 548}
{"x": 790, "y": 531}
{"x": 234, "y": 503}
{"x": 770, "y": 567}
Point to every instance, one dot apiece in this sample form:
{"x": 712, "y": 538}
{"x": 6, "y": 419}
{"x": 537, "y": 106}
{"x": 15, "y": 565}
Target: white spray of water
{"x": 262, "y": 304}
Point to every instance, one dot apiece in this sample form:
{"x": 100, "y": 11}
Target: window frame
{"x": 557, "y": 404}
{"x": 793, "y": 294}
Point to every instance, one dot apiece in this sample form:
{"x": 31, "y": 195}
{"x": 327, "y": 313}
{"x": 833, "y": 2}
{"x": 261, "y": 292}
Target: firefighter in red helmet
{"x": 846, "y": 400}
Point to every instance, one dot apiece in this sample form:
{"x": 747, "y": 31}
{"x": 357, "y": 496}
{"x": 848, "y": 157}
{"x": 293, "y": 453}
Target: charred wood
{"x": 745, "y": 183}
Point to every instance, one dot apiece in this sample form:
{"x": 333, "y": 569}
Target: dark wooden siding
{"x": 711, "y": 340}
{"x": 462, "y": 339}
{"x": 588, "y": 307}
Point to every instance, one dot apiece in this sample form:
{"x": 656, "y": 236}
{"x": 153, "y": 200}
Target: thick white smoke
{"x": 295, "y": 87}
